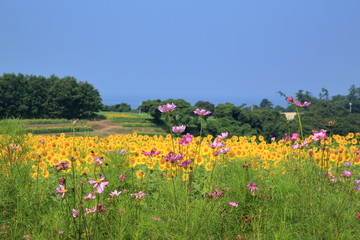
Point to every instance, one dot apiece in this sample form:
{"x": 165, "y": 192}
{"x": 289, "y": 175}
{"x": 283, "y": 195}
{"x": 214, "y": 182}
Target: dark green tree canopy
{"x": 29, "y": 96}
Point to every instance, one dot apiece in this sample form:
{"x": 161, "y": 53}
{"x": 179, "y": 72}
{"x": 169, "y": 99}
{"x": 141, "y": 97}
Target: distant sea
{"x": 135, "y": 101}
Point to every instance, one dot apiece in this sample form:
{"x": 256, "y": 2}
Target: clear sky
{"x": 238, "y": 51}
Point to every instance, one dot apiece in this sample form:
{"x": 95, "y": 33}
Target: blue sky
{"x": 237, "y": 51}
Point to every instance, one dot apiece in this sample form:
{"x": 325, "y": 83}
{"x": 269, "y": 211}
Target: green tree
{"x": 265, "y": 103}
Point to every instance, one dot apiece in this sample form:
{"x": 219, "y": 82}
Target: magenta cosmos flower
{"x": 90, "y": 210}
{"x": 89, "y": 197}
{"x": 347, "y": 174}
{"x": 75, "y": 213}
{"x": 99, "y": 184}
{"x": 319, "y": 135}
{"x": 184, "y": 163}
{"x": 252, "y": 187}
{"x": 202, "y": 112}
{"x": 61, "y": 190}
{"x": 153, "y": 152}
{"x": 115, "y": 193}
{"x": 290, "y": 99}
{"x": 169, "y": 107}
{"x": 216, "y": 144}
{"x": 299, "y": 104}
{"x": 138, "y": 195}
{"x": 173, "y": 157}
{"x": 224, "y": 150}
{"x": 178, "y": 129}
{"x": 186, "y": 139}
{"x": 234, "y": 204}
{"x": 223, "y": 135}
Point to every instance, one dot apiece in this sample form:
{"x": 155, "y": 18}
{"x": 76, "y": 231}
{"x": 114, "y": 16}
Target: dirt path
{"x": 103, "y": 128}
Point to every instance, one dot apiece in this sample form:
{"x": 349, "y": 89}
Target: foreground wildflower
{"x": 321, "y": 135}
{"x": 122, "y": 177}
{"x": 89, "y": 196}
{"x": 252, "y": 187}
{"x": 216, "y": 144}
{"x": 138, "y": 195}
{"x": 348, "y": 164}
{"x": 217, "y": 194}
{"x": 290, "y": 99}
{"x": 299, "y": 104}
{"x": 173, "y": 157}
{"x": 153, "y": 152}
{"x": 90, "y": 210}
{"x": 169, "y": 107}
{"x": 225, "y": 150}
{"x": 234, "y": 204}
{"x": 186, "y": 139}
{"x": 115, "y": 193}
{"x": 223, "y": 135}
{"x": 178, "y": 129}
{"x": 100, "y": 208}
{"x": 99, "y": 184}
{"x": 75, "y": 213}
{"x": 61, "y": 190}
{"x": 98, "y": 160}
{"x": 184, "y": 163}
{"x": 202, "y": 112}
{"x": 347, "y": 174}
{"x": 61, "y": 165}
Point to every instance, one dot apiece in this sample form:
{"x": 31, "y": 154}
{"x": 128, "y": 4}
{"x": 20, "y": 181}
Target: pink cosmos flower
{"x": 138, "y": 195}
{"x": 299, "y": 104}
{"x": 216, "y": 144}
{"x": 294, "y": 136}
{"x": 75, "y": 213}
{"x": 89, "y": 196}
{"x": 223, "y": 135}
{"x": 98, "y": 160}
{"x": 75, "y": 121}
{"x": 252, "y": 187}
{"x": 178, "y": 129}
{"x": 347, "y": 174}
{"x": 122, "y": 177}
{"x": 319, "y": 135}
{"x": 169, "y": 107}
{"x": 173, "y": 157}
{"x": 333, "y": 180}
{"x": 61, "y": 189}
{"x": 186, "y": 139}
{"x": 202, "y": 112}
{"x": 273, "y": 139}
{"x": 153, "y": 152}
{"x": 115, "y": 193}
{"x": 224, "y": 150}
{"x": 217, "y": 194}
{"x": 348, "y": 164}
{"x": 184, "y": 163}
{"x": 290, "y": 99}
{"x": 14, "y": 147}
{"x": 90, "y": 210}
{"x": 99, "y": 184}
{"x": 301, "y": 145}
{"x": 100, "y": 208}
{"x": 234, "y": 204}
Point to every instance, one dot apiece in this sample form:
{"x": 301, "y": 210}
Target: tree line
{"x": 30, "y": 96}
{"x": 338, "y": 114}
